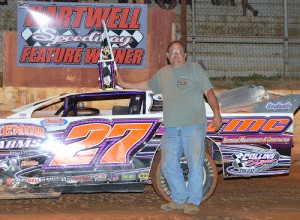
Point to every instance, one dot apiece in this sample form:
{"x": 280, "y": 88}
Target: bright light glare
{"x": 52, "y": 145}
{"x": 41, "y": 19}
{"x": 56, "y": 147}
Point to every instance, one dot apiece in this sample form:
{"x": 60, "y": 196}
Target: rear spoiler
{"x": 286, "y": 103}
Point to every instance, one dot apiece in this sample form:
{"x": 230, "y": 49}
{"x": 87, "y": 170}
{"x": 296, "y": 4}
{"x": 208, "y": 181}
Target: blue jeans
{"x": 190, "y": 141}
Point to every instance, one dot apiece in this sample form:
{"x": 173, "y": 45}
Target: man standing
{"x": 182, "y": 85}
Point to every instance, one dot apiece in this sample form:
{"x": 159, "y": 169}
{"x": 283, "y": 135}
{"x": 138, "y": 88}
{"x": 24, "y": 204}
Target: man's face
{"x": 176, "y": 55}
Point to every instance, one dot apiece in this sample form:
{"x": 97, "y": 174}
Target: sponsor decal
{"x": 23, "y": 115}
{"x": 9, "y": 181}
{"x": 28, "y": 152}
{"x": 157, "y": 102}
{"x": 101, "y": 177}
{"x": 79, "y": 179}
{"x": 19, "y": 130}
{"x": 10, "y": 165}
{"x": 278, "y": 106}
{"x": 34, "y": 180}
{"x": 129, "y": 176}
{"x": 29, "y": 163}
{"x": 261, "y": 124}
{"x": 7, "y": 144}
{"x": 54, "y": 122}
{"x": 112, "y": 177}
{"x": 253, "y": 162}
{"x": 50, "y": 179}
{"x": 157, "y": 97}
{"x": 256, "y": 139}
{"x": 144, "y": 176}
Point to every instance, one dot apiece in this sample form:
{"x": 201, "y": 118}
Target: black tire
{"x": 210, "y": 177}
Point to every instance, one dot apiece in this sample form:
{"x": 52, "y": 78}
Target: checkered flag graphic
{"x": 28, "y": 36}
{"x": 135, "y": 35}
{"x": 238, "y": 162}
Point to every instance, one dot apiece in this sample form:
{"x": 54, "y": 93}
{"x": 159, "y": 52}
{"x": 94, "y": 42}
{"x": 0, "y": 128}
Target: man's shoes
{"x": 255, "y": 13}
{"x": 191, "y": 209}
{"x": 173, "y": 206}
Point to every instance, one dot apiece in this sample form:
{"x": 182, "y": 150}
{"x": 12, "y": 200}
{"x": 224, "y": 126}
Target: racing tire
{"x": 160, "y": 185}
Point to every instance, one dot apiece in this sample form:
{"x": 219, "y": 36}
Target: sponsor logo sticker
{"x": 113, "y": 177}
{"x": 29, "y": 163}
{"x": 253, "y": 162}
{"x": 101, "y": 177}
{"x": 34, "y": 180}
{"x": 278, "y": 106}
{"x": 79, "y": 179}
{"x": 129, "y": 176}
{"x": 54, "y": 122}
{"x": 144, "y": 176}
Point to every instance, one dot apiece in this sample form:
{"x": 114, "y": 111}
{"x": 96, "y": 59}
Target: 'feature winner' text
{"x": 64, "y": 55}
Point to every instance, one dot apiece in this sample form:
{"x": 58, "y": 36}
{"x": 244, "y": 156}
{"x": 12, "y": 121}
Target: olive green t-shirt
{"x": 182, "y": 89}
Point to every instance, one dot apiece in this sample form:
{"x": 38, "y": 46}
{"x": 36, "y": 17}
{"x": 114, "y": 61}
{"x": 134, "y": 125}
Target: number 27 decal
{"x": 100, "y": 142}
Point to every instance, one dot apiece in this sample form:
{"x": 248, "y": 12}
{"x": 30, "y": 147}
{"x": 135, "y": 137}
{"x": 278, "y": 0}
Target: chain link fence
{"x": 223, "y": 38}
{"x": 260, "y": 39}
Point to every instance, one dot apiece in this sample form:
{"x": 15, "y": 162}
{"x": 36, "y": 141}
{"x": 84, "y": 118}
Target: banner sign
{"x": 62, "y": 34}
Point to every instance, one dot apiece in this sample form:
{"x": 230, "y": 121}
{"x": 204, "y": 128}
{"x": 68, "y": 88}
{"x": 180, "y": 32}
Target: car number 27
{"x": 110, "y": 143}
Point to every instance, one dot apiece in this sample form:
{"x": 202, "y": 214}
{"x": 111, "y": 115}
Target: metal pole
{"x": 286, "y": 39}
{"x": 183, "y": 22}
{"x": 193, "y": 30}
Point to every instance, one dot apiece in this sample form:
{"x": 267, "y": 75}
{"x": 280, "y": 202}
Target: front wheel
{"x": 210, "y": 176}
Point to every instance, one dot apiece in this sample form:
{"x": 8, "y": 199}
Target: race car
{"x": 109, "y": 141}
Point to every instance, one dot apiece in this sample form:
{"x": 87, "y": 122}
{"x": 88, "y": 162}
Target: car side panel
{"x": 61, "y": 153}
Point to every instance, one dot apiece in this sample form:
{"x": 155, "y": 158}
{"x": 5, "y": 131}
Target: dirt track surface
{"x": 254, "y": 198}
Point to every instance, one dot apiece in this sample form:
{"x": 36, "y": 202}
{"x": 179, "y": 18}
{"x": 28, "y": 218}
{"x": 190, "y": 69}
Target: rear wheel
{"x": 210, "y": 176}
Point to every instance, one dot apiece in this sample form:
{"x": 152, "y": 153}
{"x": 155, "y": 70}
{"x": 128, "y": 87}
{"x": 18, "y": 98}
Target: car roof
{"x": 27, "y": 110}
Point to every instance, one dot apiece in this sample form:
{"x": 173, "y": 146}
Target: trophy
{"x": 106, "y": 62}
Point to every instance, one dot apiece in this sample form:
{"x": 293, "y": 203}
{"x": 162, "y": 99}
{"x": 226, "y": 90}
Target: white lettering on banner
{"x": 51, "y": 36}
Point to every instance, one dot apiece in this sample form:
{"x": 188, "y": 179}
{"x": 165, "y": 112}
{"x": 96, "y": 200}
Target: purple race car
{"x": 110, "y": 141}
